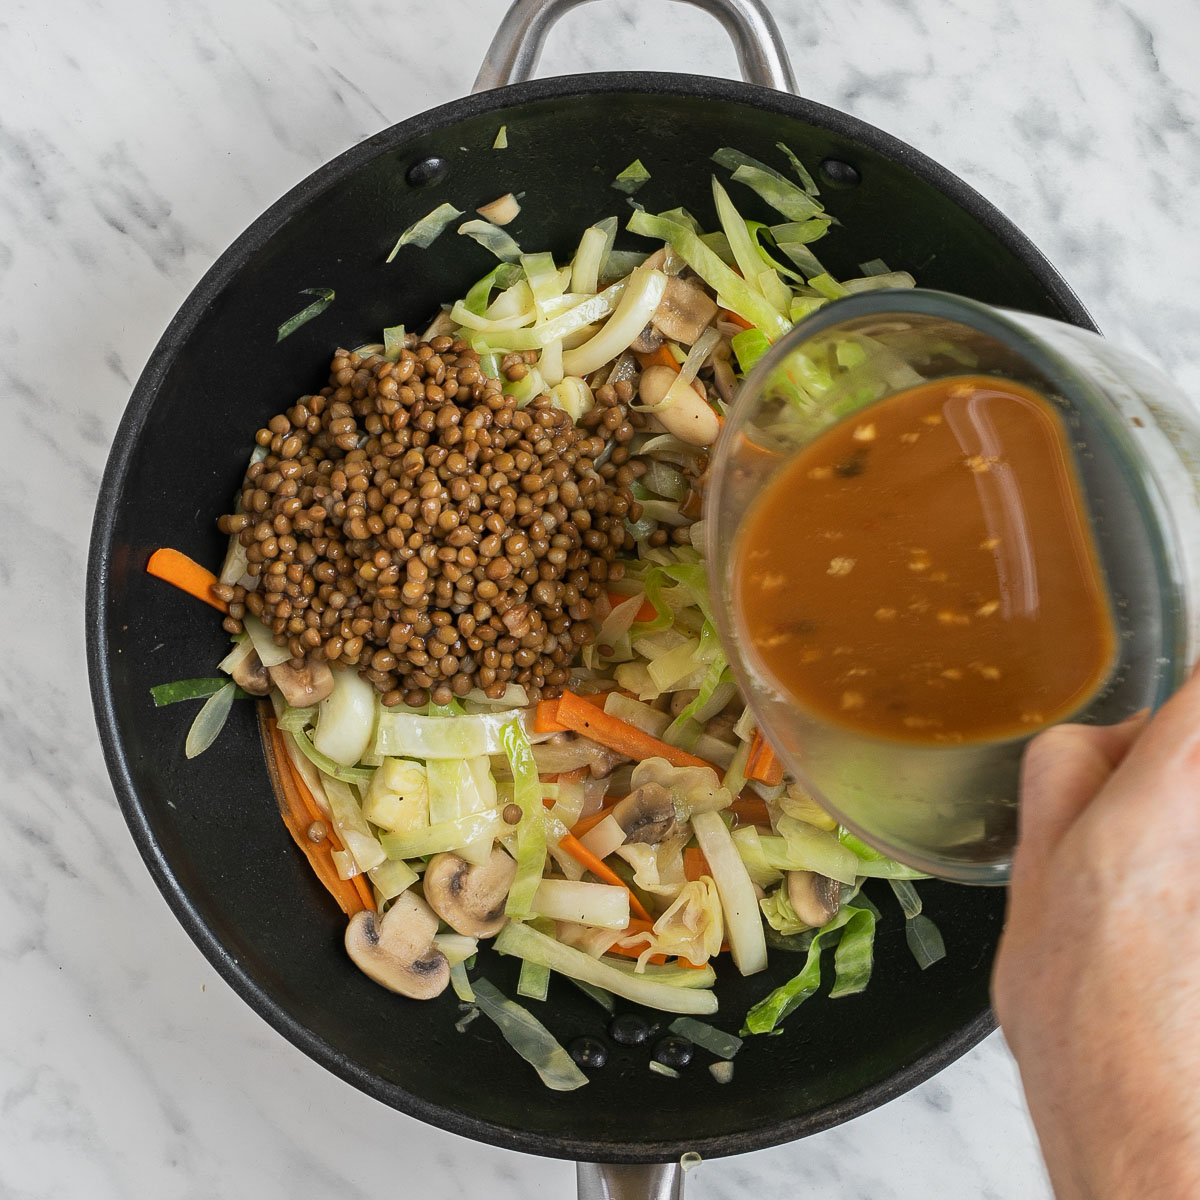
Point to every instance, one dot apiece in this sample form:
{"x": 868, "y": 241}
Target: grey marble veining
{"x": 137, "y": 139}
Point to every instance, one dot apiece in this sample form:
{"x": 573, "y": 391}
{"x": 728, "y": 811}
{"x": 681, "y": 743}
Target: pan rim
{"x": 128, "y": 433}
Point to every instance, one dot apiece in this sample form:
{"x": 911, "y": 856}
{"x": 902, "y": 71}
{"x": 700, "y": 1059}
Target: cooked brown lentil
{"x": 410, "y": 521}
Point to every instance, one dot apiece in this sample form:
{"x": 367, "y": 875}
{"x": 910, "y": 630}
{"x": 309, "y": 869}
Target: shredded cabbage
{"x": 529, "y": 1038}
{"x": 523, "y": 942}
{"x": 490, "y": 237}
{"x": 531, "y": 832}
{"x": 633, "y": 177}
{"x": 773, "y": 1008}
{"x": 423, "y": 232}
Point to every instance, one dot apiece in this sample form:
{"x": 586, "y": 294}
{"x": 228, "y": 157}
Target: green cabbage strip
{"x": 734, "y": 290}
{"x": 501, "y": 277}
{"x": 324, "y": 763}
{"x": 319, "y": 305}
{"x": 491, "y": 237}
{"x": 764, "y": 1016}
{"x": 534, "y": 980}
{"x": 924, "y": 940}
{"x": 910, "y": 901}
{"x": 741, "y": 242}
{"x": 189, "y": 689}
{"x": 715, "y": 1041}
{"x": 523, "y": 942}
{"x": 749, "y": 346}
{"x": 632, "y": 178}
{"x": 806, "y": 180}
{"x": 601, "y": 997}
{"x": 529, "y": 1038}
{"x": 501, "y": 142}
{"x": 393, "y": 342}
{"x": 874, "y": 865}
{"x": 855, "y": 955}
{"x": 531, "y": 831}
{"x": 423, "y": 232}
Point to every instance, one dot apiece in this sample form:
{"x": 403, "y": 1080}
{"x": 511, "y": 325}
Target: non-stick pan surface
{"x": 209, "y": 829}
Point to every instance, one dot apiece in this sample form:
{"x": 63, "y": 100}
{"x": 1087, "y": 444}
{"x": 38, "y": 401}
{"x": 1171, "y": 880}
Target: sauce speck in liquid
{"x": 925, "y": 570}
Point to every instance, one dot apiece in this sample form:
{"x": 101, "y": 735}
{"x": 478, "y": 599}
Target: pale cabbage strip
{"x": 529, "y": 1038}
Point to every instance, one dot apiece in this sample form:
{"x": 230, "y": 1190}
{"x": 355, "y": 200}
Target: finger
{"x": 1063, "y": 769}
{"x": 1164, "y": 766}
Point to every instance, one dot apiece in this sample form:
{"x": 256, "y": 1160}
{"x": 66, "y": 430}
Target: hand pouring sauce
{"x": 925, "y": 570}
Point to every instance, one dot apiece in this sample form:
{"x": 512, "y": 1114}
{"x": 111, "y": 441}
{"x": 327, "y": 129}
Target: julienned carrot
{"x": 587, "y": 824}
{"x": 695, "y": 865}
{"x": 365, "y": 897}
{"x": 762, "y": 763}
{"x": 662, "y": 357}
{"x": 545, "y": 718}
{"x": 749, "y": 809}
{"x": 576, "y": 713}
{"x": 598, "y": 867}
{"x": 187, "y": 575}
{"x": 299, "y": 811}
{"x": 646, "y": 613}
{"x": 727, "y": 314}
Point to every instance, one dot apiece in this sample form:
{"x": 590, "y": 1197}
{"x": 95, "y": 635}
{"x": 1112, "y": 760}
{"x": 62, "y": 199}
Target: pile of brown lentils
{"x": 411, "y": 521}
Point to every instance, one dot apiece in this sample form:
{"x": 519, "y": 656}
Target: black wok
{"x": 209, "y": 829}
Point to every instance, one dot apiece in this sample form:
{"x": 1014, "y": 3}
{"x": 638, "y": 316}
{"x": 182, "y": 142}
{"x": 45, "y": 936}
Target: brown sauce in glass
{"x": 925, "y": 570}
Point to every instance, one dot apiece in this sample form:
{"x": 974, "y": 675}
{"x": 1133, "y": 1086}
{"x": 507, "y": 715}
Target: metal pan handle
{"x": 613, "y": 1181}
{"x": 514, "y": 52}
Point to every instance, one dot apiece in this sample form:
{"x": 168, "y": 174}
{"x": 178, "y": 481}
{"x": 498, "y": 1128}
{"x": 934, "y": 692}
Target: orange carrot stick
{"x": 598, "y": 867}
{"x": 587, "y": 824}
{"x": 727, "y": 314}
{"x": 299, "y": 810}
{"x": 662, "y": 357}
{"x": 646, "y": 613}
{"x": 185, "y": 574}
{"x": 749, "y": 809}
{"x": 762, "y": 763}
{"x": 575, "y": 713}
{"x": 545, "y": 718}
{"x": 695, "y": 865}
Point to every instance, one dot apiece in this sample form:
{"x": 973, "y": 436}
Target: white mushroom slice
{"x": 647, "y": 814}
{"x": 470, "y": 899}
{"x": 251, "y": 676}
{"x": 814, "y": 897}
{"x": 685, "y": 311}
{"x": 397, "y": 951}
{"x": 688, "y": 416}
{"x": 303, "y": 686}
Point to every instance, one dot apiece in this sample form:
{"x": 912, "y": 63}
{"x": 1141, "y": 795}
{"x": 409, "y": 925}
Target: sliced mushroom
{"x": 814, "y": 897}
{"x": 725, "y": 379}
{"x": 649, "y": 339}
{"x": 303, "y": 686}
{"x": 470, "y": 899}
{"x": 397, "y": 951}
{"x": 251, "y": 676}
{"x": 689, "y": 417}
{"x": 647, "y": 814}
{"x": 685, "y": 310}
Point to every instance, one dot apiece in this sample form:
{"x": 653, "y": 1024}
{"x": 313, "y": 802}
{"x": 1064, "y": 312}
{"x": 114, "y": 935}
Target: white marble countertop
{"x": 137, "y": 139}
